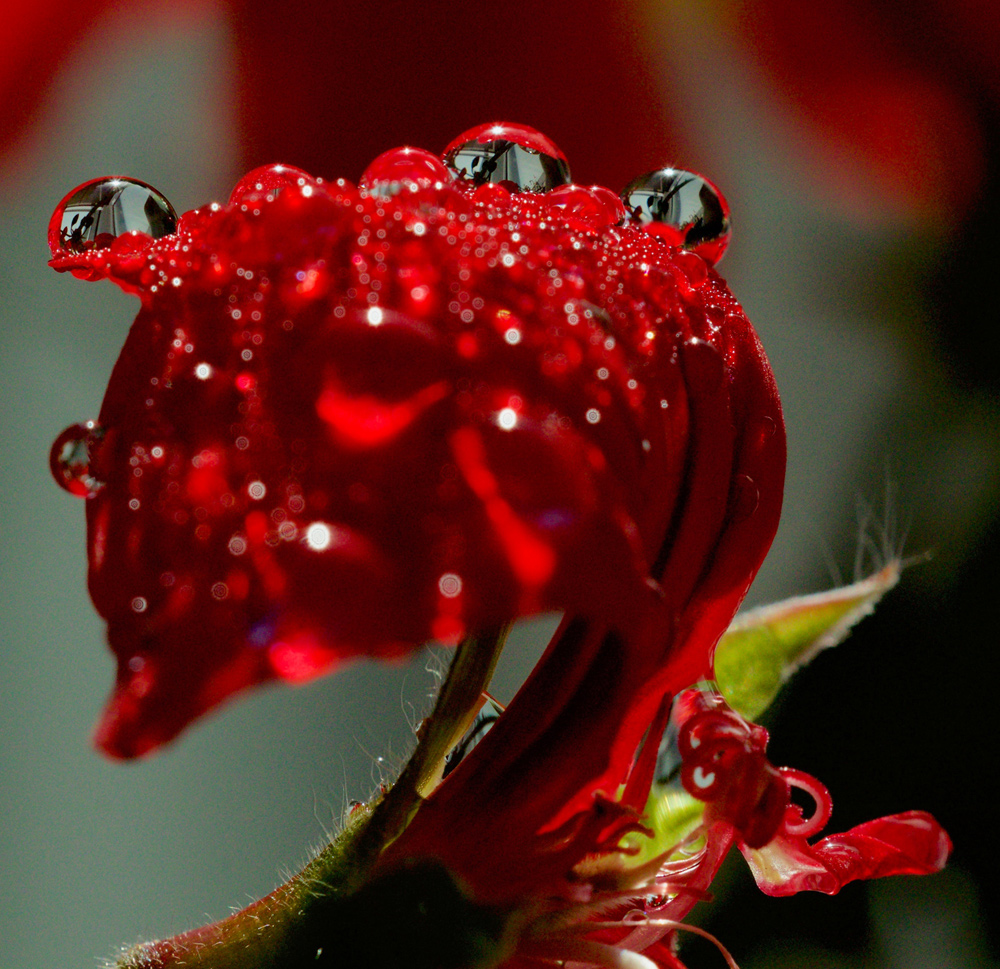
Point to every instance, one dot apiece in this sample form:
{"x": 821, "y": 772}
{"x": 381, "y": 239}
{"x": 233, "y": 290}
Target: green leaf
{"x": 764, "y": 647}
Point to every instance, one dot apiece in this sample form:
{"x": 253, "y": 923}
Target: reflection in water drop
{"x": 513, "y": 154}
{"x": 96, "y": 213}
{"x": 686, "y": 203}
{"x": 70, "y": 459}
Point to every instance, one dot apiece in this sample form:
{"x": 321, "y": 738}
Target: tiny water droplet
{"x": 403, "y": 169}
{"x": 686, "y": 203}
{"x": 97, "y": 212}
{"x": 70, "y": 459}
{"x": 744, "y": 496}
{"x": 508, "y": 153}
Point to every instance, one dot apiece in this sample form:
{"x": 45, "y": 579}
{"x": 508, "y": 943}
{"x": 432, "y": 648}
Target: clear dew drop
{"x": 511, "y": 154}
{"x": 767, "y": 429}
{"x": 70, "y": 459}
{"x": 685, "y": 202}
{"x": 96, "y": 213}
{"x": 266, "y": 183}
{"x": 403, "y": 169}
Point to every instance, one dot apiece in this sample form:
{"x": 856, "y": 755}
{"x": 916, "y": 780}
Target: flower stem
{"x": 469, "y": 675}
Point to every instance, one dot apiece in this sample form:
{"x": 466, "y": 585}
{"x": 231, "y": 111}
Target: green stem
{"x": 274, "y": 932}
{"x": 469, "y": 675}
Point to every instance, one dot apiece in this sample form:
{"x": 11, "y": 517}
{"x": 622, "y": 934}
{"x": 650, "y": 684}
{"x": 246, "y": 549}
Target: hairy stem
{"x": 469, "y": 675}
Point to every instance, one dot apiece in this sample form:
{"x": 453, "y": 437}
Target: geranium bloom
{"x": 348, "y": 420}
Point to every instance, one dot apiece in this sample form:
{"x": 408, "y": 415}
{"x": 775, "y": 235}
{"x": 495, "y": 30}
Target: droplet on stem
{"x": 97, "y": 212}
{"x": 684, "y": 207}
{"x": 508, "y": 153}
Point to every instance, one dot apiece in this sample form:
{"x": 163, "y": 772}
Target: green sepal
{"x": 758, "y": 653}
{"x": 672, "y": 814}
{"x": 764, "y": 647}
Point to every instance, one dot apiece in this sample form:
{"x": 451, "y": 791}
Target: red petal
{"x": 912, "y": 843}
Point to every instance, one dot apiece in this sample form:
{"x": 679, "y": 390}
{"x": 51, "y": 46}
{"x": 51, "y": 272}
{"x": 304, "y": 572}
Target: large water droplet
{"x": 96, "y": 213}
{"x": 593, "y": 207}
{"x": 403, "y": 169}
{"x": 686, "y": 203}
{"x": 70, "y": 459}
{"x": 267, "y": 183}
{"x": 509, "y": 153}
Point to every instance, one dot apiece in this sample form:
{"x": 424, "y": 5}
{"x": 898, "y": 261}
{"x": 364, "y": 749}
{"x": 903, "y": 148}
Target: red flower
{"x": 347, "y": 421}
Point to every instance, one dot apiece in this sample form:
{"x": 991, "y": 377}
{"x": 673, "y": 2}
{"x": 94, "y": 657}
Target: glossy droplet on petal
{"x": 400, "y": 168}
{"x": 70, "y": 459}
{"x": 744, "y": 496}
{"x": 506, "y": 152}
{"x": 96, "y": 213}
{"x": 686, "y": 203}
{"x": 594, "y": 207}
{"x": 268, "y": 182}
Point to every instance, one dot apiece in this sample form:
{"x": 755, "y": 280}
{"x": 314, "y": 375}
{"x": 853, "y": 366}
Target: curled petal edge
{"x": 911, "y": 843}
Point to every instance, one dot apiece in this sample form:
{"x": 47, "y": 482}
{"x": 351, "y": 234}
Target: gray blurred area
{"x": 94, "y": 853}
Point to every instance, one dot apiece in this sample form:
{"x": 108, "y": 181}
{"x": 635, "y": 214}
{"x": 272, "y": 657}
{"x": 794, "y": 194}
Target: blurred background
{"x": 861, "y": 159}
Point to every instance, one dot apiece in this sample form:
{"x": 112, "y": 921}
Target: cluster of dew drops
{"x": 112, "y": 217}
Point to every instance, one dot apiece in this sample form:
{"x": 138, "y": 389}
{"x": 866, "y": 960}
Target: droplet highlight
{"x": 514, "y": 155}
{"x": 684, "y": 207}
{"x": 96, "y": 213}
